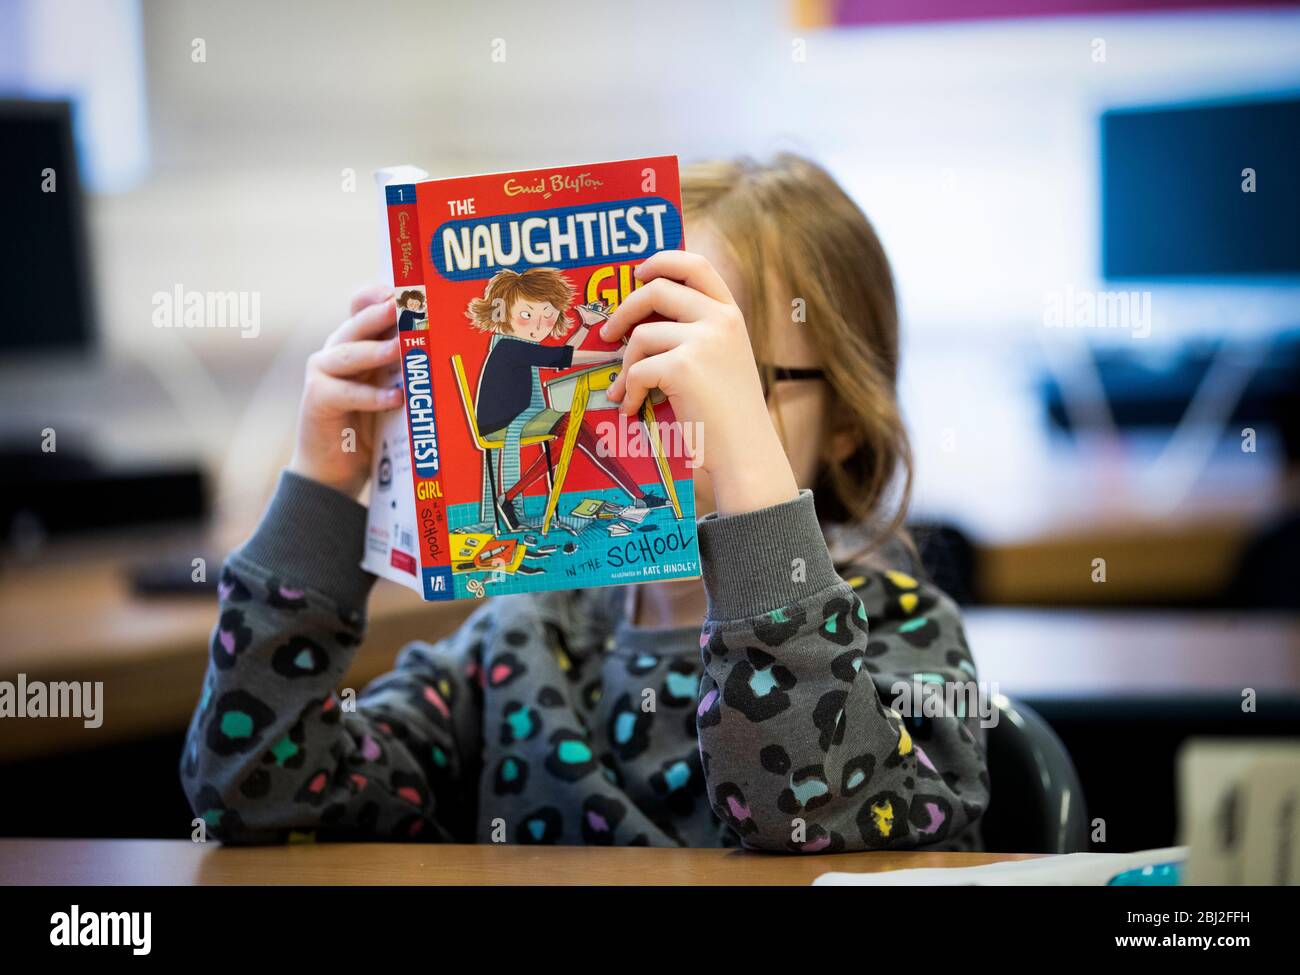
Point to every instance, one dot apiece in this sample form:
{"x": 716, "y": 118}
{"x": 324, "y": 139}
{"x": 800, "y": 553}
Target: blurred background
{"x": 1092, "y": 212}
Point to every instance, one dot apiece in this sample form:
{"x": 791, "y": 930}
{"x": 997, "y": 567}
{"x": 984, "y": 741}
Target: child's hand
{"x": 346, "y": 384}
{"x": 702, "y": 360}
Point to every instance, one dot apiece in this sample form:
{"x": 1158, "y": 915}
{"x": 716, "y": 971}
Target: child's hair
{"x": 507, "y": 287}
{"x": 796, "y": 234}
{"x": 406, "y": 296}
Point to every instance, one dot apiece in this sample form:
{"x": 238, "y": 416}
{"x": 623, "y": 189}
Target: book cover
{"x": 509, "y": 470}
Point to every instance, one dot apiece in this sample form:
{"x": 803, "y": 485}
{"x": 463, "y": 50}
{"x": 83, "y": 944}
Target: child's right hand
{"x": 347, "y": 382}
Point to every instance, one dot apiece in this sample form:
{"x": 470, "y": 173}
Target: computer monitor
{"x": 45, "y": 273}
{"x": 1175, "y": 194}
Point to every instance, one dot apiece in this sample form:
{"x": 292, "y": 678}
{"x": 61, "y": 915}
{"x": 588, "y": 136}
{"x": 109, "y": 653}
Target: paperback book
{"x": 509, "y": 469}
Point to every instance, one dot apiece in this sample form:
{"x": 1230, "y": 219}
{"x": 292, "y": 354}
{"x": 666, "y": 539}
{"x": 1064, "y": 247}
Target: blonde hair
{"x": 507, "y": 287}
{"x": 795, "y": 233}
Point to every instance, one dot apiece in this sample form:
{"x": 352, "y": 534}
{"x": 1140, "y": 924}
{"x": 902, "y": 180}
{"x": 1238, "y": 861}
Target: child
{"x": 752, "y": 708}
{"x": 412, "y": 315}
{"x": 520, "y": 310}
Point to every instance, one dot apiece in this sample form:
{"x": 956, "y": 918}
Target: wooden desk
{"x": 178, "y": 862}
{"x": 1180, "y": 560}
{"x": 79, "y": 621}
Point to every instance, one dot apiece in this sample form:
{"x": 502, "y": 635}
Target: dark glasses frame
{"x": 787, "y": 374}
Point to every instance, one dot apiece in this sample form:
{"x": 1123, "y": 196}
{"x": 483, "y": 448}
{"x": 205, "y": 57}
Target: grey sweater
{"x": 549, "y": 719}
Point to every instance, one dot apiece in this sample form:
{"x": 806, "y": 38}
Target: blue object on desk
{"x": 1152, "y": 875}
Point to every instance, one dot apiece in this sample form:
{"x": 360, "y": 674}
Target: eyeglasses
{"x": 787, "y": 374}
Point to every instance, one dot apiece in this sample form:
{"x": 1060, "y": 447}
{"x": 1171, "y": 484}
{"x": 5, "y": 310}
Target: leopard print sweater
{"x": 550, "y": 719}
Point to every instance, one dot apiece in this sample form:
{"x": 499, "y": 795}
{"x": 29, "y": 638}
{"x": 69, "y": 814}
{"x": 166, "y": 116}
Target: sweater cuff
{"x": 312, "y": 535}
{"x": 764, "y": 560}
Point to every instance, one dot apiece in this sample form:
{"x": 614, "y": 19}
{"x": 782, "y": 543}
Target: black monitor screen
{"x": 1174, "y": 199}
{"x": 44, "y": 273}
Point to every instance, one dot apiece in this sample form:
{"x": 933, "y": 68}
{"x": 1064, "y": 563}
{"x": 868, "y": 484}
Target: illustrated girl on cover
{"x": 521, "y": 310}
{"x": 412, "y": 314}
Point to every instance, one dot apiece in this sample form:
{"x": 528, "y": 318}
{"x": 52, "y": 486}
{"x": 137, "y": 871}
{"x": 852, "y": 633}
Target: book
{"x": 501, "y": 471}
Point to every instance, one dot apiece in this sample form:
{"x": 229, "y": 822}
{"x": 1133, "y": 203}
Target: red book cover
{"x": 516, "y": 473}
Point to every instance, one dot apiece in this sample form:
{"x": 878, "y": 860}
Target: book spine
{"x": 421, "y": 418}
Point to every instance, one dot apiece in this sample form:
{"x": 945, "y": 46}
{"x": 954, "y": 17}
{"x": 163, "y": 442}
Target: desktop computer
{"x": 51, "y": 481}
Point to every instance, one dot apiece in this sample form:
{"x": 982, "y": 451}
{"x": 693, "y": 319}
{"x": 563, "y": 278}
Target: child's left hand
{"x": 702, "y": 360}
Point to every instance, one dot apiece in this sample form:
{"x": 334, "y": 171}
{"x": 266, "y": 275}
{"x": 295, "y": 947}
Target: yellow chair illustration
{"x": 537, "y": 431}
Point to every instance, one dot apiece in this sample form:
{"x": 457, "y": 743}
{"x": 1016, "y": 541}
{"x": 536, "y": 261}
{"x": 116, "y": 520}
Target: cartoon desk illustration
{"x": 585, "y": 391}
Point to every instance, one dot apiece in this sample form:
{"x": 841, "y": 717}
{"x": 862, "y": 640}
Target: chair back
{"x": 1037, "y": 803}
{"x": 467, "y": 401}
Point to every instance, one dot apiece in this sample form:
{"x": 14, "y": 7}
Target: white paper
{"x": 1065, "y": 870}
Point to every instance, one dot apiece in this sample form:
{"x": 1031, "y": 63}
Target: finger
{"x": 371, "y": 294}
{"x": 692, "y": 270}
{"x": 661, "y": 298}
{"x": 371, "y": 322}
{"x": 351, "y": 358}
{"x": 650, "y": 338}
{"x": 640, "y": 379}
{"x": 347, "y": 395}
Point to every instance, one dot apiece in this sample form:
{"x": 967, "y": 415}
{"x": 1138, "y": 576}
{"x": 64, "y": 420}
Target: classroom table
{"x": 182, "y": 863}
{"x": 78, "y": 620}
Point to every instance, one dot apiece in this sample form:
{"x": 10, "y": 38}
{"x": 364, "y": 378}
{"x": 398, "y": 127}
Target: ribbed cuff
{"x": 311, "y": 535}
{"x": 763, "y": 560}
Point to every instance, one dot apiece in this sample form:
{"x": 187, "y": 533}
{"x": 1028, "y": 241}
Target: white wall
{"x": 972, "y": 146}
{"x": 250, "y": 146}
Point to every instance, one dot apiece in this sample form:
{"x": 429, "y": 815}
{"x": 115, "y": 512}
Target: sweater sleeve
{"x": 274, "y": 747}
{"x": 811, "y": 736}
